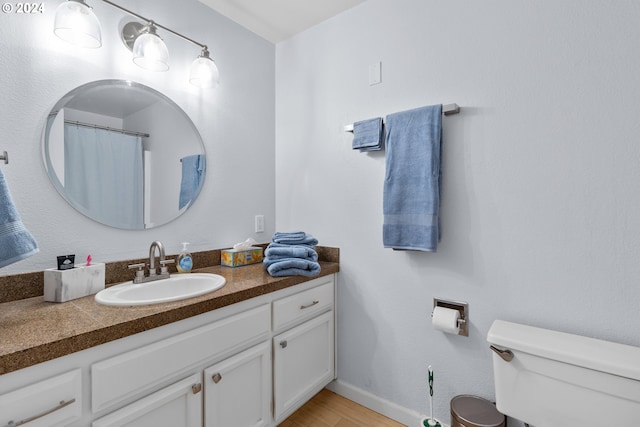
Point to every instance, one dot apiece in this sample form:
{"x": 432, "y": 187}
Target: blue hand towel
{"x": 368, "y": 135}
{"x": 279, "y": 252}
{"x": 294, "y": 267}
{"x": 193, "y": 169}
{"x": 411, "y": 198}
{"x": 295, "y": 238}
{"x": 16, "y": 243}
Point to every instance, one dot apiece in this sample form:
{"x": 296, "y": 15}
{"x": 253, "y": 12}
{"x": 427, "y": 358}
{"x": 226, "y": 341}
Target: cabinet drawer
{"x": 129, "y": 374}
{"x": 304, "y": 305}
{"x": 56, "y": 401}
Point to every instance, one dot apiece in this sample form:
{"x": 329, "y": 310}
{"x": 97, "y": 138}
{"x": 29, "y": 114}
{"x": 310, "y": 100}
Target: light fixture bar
{"x": 204, "y": 46}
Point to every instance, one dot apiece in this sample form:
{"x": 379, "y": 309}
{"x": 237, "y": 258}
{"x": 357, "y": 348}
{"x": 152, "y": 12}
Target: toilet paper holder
{"x": 462, "y": 307}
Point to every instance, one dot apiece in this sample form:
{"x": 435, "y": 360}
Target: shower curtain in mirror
{"x": 104, "y": 175}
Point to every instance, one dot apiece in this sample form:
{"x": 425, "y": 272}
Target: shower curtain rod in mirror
{"x": 124, "y": 131}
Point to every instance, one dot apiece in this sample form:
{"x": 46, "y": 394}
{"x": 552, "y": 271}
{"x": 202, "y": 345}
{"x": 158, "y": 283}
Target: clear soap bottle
{"x": 185, "y": 261}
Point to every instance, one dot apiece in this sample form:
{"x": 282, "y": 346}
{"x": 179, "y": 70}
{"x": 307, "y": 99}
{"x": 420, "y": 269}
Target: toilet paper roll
{"x": 445, "y": 320}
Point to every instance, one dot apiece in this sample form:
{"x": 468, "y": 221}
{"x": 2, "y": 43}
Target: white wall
{"x": 540, "y": 219}
{"x": 236, "y": 122}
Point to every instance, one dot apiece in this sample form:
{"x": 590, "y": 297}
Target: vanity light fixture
{"x": 75, "y": 22}
{"x": 149, "y": 51}
{"x": 204, "y": 72}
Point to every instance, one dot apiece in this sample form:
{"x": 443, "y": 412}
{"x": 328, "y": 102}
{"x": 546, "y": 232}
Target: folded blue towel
{"x": 294, "y": 267}
{"x": 291, "y": 235}
{"x": 411, "y": 198}
{"x": 16, "y": 243}
{"x": 294, "y": 238}
{"x": 278, "y": 252}
{"x": 368, "y": 135}
{"x": 193, "y": 169}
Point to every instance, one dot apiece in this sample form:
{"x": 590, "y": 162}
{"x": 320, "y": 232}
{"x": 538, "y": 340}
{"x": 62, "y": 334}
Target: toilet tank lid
{"x": 605, "y": 356}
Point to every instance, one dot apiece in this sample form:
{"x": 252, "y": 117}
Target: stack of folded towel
{"x": 292, "y": 254}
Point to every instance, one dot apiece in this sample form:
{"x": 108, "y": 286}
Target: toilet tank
{"x": 557, "y": 379}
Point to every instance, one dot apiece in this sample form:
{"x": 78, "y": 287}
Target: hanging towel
{"x": 368, "y": 135}
{"x": 411, "y": 198}
{"x": 193, "y": 168}
{"x": 16, "y": 243}
{"x": 294, "y": 267}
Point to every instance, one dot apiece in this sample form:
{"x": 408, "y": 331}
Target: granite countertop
{"x": 33, "y": 331}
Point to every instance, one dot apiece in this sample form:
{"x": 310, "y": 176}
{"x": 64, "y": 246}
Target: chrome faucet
{"x": 152, "y": 256}
{"x": 153, "y": 275}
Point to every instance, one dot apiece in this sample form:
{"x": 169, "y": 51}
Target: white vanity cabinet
{"x": 250, "y": 364}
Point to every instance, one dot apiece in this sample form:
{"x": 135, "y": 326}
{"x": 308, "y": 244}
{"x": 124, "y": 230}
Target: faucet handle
{"x": 164, "y": 269}
{"x": 140, "y": 269}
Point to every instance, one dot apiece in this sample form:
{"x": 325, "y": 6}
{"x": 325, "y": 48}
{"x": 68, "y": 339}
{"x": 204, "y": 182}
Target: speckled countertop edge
{"x": 33, "y": 331}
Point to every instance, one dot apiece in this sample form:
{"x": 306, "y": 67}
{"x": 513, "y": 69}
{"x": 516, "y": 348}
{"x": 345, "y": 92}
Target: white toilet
{"x": 554, "y": 379}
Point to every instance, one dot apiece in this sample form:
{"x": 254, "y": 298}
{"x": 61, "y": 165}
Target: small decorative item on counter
{"x": 185, "y": 260}
{"x": 71, "y": 283}
{"x": 66, "y": 262}
{"x": 242, "y": 254}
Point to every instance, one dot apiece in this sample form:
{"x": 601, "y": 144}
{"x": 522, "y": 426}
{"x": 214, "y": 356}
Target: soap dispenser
{"x": 185, "y": 262}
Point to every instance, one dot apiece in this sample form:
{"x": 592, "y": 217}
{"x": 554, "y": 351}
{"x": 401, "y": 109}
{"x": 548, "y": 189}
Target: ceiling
{"x": 277, "y": 20}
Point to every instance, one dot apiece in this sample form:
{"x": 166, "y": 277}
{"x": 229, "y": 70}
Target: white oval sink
{"x": 175, "y": 288}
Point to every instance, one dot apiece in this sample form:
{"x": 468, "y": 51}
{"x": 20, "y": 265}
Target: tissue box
{"x": 65, "y": 285}
{"x": 240, "y": 257}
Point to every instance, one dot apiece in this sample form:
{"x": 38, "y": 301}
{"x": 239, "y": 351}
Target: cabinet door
{"x": 237, "y": 390}
{"x": 177, "y": 405}
{"x": 303, "y": 363}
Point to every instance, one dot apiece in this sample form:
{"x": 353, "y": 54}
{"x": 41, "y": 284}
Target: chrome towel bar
{"x": 447, "y": 110}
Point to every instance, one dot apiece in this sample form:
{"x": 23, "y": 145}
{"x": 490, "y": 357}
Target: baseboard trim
{"x": 403, "y": 415}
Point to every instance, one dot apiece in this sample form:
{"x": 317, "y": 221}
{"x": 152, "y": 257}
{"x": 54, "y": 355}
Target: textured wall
{"x": 540, "y": 188}
{"x": 236, "y": 122}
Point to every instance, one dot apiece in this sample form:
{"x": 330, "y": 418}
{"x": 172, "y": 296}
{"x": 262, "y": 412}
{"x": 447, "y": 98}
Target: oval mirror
{"x": 123, "y": 154}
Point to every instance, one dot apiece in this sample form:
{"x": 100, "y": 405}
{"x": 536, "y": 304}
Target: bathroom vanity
{"x": 249, "y": 354}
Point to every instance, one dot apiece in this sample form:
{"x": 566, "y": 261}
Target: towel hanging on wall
{"x": 16, "y": 243}
{"x": 368, "y": 135}
{"x": 411, "y": 198}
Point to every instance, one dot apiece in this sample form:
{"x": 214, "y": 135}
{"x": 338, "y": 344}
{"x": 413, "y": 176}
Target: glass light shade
{"x": 204, "y": 72}
{"x": 150, "y": 52}
{"x": 76, "y": 23}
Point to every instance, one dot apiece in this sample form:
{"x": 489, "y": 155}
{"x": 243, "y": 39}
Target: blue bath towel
{"x": 294, "y": 267}
{"x": 193, "y": 170}
{"x": 276, "y": 252}
{"x": 368, "y": 135}
{"x": 16, "y": 243}
{"x": 411, "y": 198}
{"x": 294, "y": 238}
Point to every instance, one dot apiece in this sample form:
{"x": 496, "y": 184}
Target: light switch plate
{"x": 259, "y": 223}
{"x": 375, "y": 73}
